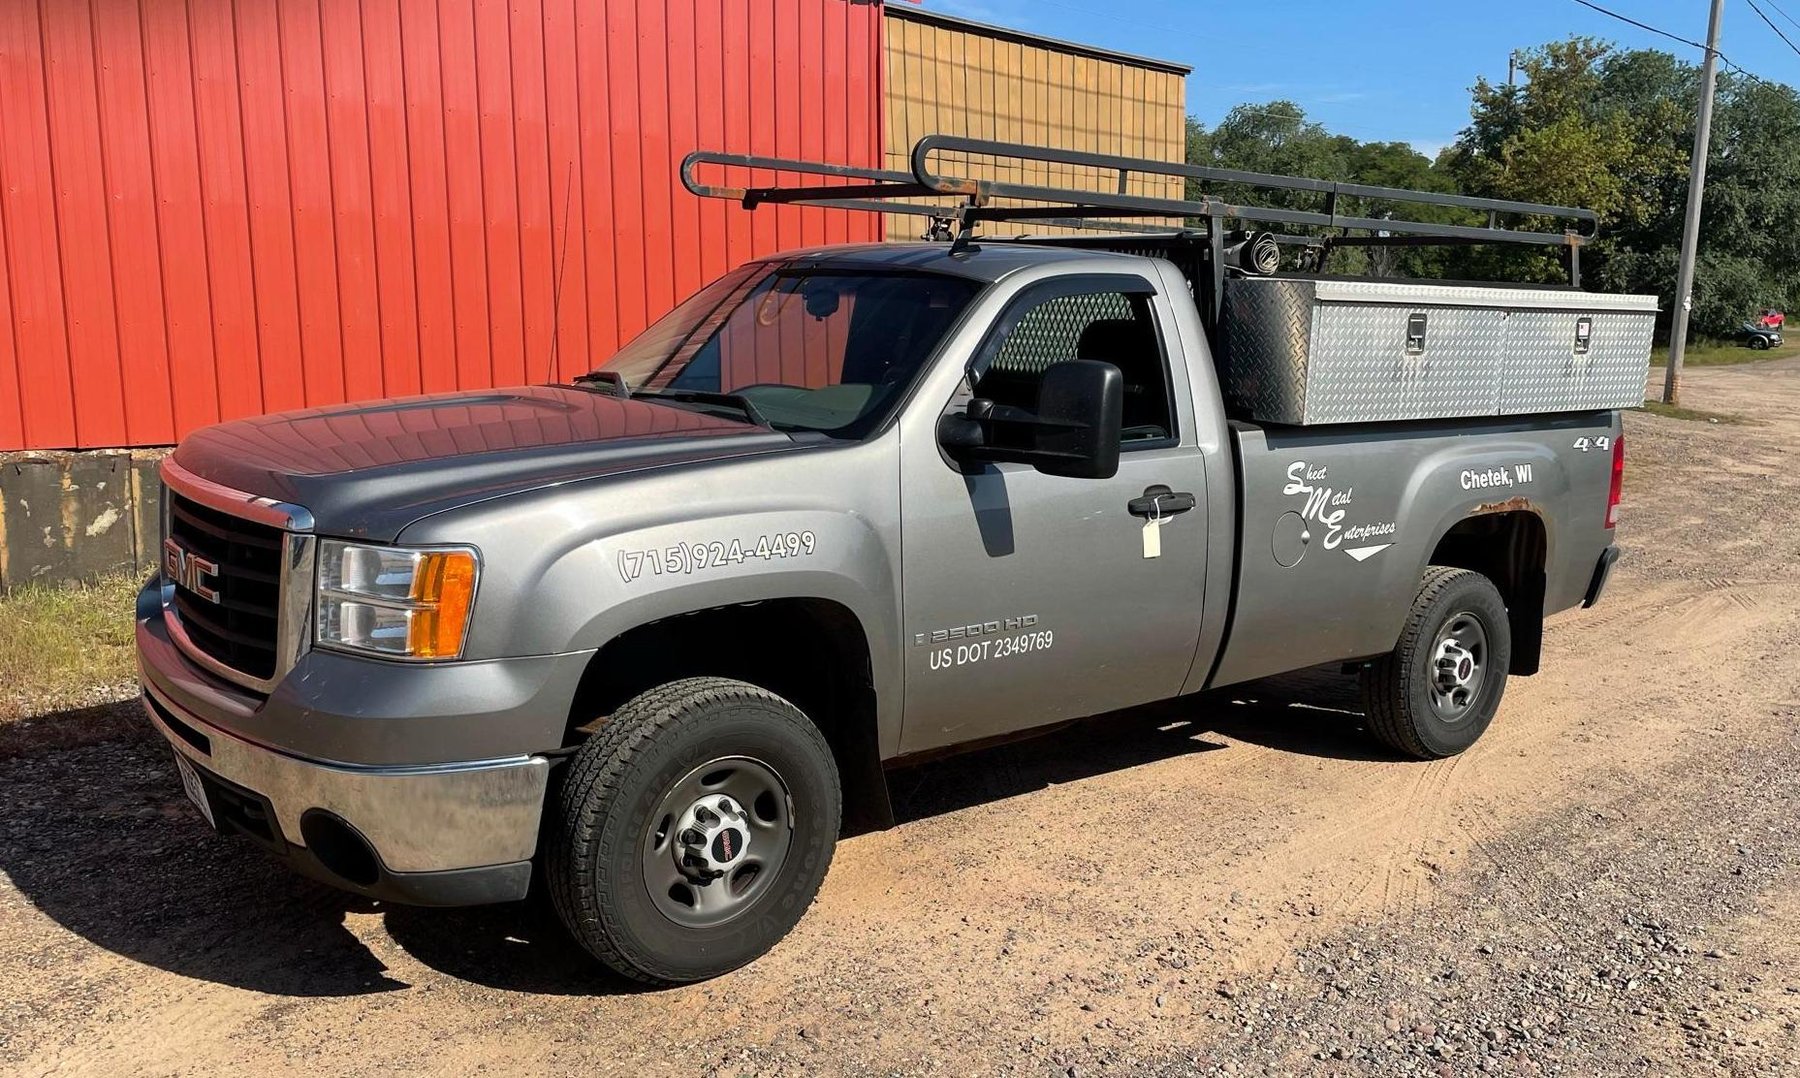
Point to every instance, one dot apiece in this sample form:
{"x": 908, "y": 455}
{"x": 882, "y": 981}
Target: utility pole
{"x": 1690, "y": 230}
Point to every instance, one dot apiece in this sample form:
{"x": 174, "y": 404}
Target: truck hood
{"x": 369, "y": 470}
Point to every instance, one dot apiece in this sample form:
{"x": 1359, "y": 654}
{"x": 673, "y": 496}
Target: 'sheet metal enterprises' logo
{"x": 189, "y": 570}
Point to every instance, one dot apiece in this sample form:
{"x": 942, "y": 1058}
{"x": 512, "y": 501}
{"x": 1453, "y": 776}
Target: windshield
{"x": 799, "y": 347}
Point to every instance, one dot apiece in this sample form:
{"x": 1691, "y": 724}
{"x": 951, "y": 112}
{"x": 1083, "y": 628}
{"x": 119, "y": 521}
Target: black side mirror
{"x": 1081, "y": 405}
{"x": 1073, "y": 431}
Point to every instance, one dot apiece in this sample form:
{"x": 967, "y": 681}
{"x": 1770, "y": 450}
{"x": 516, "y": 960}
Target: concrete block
{"x": 77, "y": 516}
{"x": 98, "y": 516}
{"x": 37, "y": 547}
{"x": 146, "y": 500}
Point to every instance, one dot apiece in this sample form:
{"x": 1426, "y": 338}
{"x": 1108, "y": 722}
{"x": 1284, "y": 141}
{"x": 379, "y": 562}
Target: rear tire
{"x": 697, "y": 776}
{"x": 1435, "y": 694}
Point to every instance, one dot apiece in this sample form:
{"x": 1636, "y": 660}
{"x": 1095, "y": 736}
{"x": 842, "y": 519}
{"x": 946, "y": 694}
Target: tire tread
{"x": 1385, "y": 694}
{"x": 591, "y": 786}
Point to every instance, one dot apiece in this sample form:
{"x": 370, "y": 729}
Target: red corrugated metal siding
{"x": 213, "y": 209}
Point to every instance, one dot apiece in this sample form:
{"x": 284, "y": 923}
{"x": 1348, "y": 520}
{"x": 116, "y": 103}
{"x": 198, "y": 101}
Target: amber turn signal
{"x": 444, "y": 588}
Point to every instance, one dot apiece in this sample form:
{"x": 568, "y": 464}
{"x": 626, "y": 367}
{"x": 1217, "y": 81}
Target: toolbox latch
{"x": 1584, "y": 335}
{"x": 1415, "y": 334}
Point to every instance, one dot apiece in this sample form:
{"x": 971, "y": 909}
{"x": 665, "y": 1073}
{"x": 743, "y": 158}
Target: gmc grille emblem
{"x": 189, "y": 570}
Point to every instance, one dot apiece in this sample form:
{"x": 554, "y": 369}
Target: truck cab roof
{"x": 987, "y": 261}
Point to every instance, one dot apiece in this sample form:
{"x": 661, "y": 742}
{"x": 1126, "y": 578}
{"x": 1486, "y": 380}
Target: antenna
{"x": 557, "y": 261}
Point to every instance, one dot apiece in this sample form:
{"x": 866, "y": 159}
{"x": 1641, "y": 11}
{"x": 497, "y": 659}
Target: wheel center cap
{"x": 1455, "y": 666}
{"x": 727, "y": 845}
{"x": 712, "y": 838}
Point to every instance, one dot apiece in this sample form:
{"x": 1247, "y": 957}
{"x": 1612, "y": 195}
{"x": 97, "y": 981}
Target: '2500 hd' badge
{"x": 975, "y": 629}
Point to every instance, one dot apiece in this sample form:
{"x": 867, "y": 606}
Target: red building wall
{"x": 213, "y": 209}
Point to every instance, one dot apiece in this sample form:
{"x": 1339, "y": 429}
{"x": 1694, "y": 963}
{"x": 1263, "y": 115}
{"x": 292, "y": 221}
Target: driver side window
{"x": 1115, "y": 327}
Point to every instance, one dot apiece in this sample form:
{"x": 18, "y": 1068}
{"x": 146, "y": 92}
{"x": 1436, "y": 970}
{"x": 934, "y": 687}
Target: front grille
{"x": 240, "y": 629}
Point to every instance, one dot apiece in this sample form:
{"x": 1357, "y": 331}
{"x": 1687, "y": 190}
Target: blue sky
{"x": 1375, "y": 69}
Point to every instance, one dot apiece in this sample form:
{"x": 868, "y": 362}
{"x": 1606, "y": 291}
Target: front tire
{"x": 693, "y": 830}
{"x": 1435, "y": 694}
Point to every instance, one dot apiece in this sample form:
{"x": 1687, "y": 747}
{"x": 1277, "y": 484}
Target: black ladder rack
{"x": 886, "y": 191}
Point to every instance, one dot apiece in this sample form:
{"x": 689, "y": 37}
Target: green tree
{"x": 1611, "y": 130}
{"x": 1275, "y": 137}
{"x": 1750, "y": 250}
{"x": 1199, "y": 151}
{"x": 1279, "y": 139}
{"x": 1587, "y": 125}
{"x": 1552, "y": 139}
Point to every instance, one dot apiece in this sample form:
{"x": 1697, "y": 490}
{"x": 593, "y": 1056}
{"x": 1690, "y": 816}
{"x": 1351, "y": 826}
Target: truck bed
{"x": 1336, "y": 524}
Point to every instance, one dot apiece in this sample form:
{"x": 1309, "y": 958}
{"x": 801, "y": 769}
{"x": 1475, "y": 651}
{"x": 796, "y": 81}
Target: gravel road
{"x": 1609, "y": 883}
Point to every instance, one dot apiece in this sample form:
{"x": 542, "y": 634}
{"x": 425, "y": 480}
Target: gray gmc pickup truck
{"x": 659, "y": 632}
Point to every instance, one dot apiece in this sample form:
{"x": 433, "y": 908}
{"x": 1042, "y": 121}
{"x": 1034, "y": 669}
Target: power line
{"x": 1646, "y": 26}
{"x": 1726, "y": 60}
{"x": 1772, "y": 26}
{"x": 1782, "y": 13}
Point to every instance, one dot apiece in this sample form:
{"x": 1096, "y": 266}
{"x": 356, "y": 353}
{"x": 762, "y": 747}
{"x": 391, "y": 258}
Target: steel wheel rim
{"x": 676, "y": 870}
{"x": 1458, "y": 667}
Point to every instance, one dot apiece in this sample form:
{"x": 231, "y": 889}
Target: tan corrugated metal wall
{"x": 944, "y": 77}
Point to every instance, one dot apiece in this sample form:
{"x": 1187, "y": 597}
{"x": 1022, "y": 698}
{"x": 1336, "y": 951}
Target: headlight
{"x": 395, "y": 602}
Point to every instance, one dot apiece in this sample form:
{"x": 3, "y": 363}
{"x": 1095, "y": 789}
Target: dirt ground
{"x": 1607, "y": 884}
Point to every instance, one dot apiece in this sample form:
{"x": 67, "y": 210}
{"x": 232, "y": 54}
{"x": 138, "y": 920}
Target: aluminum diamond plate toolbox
{"x": 1307, "y": 351}
{"x": 1542, "y": 373}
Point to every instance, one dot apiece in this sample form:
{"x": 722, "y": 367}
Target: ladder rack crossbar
{"x": 977, "y": 200}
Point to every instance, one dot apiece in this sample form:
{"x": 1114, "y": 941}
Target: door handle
{"x": 1160, "y": 500}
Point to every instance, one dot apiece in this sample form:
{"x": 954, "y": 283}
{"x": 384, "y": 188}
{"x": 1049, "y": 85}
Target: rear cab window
{"x": 1109, "y": 318}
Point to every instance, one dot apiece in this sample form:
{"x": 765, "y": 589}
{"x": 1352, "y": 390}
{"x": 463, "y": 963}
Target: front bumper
{"x": 414, "y": 784}
{"x": 437, "y": 835}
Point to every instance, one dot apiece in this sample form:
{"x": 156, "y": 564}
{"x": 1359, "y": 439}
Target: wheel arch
{"x": 812, "y": 651}
{"x": 1511, "y": 548}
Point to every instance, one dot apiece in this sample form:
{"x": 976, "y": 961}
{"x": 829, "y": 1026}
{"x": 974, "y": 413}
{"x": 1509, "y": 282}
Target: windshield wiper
{"x": 614, "y": 382}
{"x": 611, "y": 379}
{"x": 735, "y": 401}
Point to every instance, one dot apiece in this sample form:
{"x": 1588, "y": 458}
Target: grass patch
{"x": 66, "y": 648}
{"x": 1694, "y": 415}
{"x": 1722, "y": 354}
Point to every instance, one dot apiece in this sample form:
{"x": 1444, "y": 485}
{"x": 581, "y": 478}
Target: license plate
{"x": 190, "y": 782}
